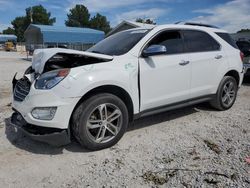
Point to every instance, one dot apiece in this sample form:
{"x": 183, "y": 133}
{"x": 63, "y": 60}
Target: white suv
{"x": 94, "y": 95}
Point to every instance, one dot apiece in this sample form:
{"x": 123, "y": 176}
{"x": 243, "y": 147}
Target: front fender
{"x": 80, "y": 82}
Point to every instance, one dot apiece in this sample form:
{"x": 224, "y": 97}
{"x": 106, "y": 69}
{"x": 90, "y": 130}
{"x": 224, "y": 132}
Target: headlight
{"x": 50, "y": 79}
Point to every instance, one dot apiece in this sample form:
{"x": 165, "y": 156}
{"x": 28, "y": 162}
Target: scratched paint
{"x": 129, "y": 67}
{"x": 88, "y": 67}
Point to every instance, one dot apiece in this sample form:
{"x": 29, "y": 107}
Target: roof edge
{"x": 41, "y": 27}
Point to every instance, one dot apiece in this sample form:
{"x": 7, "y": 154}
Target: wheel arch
{"x": 235, "y": 74}
{"x": 112, "y": 89}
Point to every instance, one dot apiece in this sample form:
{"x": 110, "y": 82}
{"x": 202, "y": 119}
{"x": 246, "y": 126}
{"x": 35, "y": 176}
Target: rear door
{"x": 206, "y": 58}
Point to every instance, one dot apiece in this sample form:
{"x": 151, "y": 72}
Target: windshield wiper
{"x": 97, "y": 52}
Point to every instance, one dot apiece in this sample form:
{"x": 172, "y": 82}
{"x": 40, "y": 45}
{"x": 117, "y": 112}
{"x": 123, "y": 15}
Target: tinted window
{"x": 171, "y": 39}
{"x": 244, "y": 47}
{"x": 119, "y": 43}
{"x": 243, "y": 44}
{"x": 198, "y": 41}
{"x": 226, "y": 37}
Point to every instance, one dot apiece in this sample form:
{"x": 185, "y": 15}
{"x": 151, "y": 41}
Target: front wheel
{"x": 100, "y": 121}
{"x": 226, "y": 94}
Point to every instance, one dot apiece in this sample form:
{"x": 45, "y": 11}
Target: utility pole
{"x": 31, "y": 14}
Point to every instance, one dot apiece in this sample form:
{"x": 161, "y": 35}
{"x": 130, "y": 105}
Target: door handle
{"x": 183, "y": 62}
{"x": 218, "y": 56}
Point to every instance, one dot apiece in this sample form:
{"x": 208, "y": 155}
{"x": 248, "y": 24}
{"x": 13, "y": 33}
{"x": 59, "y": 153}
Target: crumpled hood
{"x": 41, "y": 56}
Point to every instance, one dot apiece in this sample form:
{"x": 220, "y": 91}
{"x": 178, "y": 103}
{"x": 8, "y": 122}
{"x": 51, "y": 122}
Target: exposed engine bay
{"x": 45, "y": 60}
{"x": 62, "y": 60}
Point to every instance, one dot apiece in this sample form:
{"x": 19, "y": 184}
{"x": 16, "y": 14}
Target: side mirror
{"x": 154, "y": 50}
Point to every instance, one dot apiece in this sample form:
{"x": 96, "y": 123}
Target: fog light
{"x": 44, "y": 113}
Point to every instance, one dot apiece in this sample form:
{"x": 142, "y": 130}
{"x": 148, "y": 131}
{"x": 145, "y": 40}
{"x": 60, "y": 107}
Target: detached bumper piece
{"x": 51, "y": 136}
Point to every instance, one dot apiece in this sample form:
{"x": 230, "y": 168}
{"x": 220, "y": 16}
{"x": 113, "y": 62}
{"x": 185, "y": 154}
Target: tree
{"x": 147, "y": 21}
{"x": 243, "y": 31}
{"x": 9, "y": 30}
{"x": 139, "y": 20}
{"x": 37, "y": 15}
{"x": 19, "y": 25}
{"x": 100, "y": 22}
{"x": 78, "y": 17}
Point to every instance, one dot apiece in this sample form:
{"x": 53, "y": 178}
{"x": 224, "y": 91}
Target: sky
{"x": 231, "y": 15}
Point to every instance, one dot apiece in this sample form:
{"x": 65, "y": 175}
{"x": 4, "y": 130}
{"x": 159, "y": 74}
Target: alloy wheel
{"x": 104, "y": 123}
{"x": 228, "y": 93}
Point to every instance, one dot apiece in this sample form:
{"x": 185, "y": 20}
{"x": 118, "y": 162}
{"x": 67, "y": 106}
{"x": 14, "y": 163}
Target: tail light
{"x": 241, "y": 56}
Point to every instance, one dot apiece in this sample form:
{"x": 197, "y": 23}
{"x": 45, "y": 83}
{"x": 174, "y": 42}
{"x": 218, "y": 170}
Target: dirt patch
{"x": 214, "y": 147}
{"x": 4, "y": 93}
{"x": 158, "y": 178}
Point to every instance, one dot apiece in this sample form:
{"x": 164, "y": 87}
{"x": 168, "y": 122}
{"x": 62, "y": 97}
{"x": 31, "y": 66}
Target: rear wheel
{"x": 226, "y": 94}
{"x": 100, "y": 121}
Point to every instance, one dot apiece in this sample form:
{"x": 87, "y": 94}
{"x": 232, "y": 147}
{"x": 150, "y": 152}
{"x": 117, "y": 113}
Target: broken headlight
{"x": 50, "y": 79}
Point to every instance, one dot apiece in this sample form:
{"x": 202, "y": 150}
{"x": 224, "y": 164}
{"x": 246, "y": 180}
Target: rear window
{"x": 198, "y": 41}
{"x": 226, "y": 37}
{"x": 243, "y": 44}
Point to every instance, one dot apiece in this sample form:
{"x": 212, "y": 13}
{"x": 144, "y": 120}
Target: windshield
{"x": 119, "y": 43}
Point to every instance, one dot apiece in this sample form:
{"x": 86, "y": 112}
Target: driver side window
{"x": 172, "y": 40}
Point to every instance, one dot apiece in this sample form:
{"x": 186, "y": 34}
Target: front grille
{"x": 22, "y": 89}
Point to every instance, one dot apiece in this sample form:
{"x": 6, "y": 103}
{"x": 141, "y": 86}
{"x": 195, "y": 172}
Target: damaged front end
{"x": 51, "y": 136}
{"x": 33, "y": 91}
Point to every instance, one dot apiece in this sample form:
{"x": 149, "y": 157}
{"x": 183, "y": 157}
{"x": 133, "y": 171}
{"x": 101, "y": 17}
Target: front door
{"x": 165, "y": 79}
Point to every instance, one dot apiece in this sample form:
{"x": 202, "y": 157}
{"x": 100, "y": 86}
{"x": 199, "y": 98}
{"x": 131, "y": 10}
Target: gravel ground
{"x": 191, "y": 147}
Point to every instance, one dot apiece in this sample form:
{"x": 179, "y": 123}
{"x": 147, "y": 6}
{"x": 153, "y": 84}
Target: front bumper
{"x": 52, "y": 136}
{"x": 55, "y": 131}
{"x": 46, "y": 98}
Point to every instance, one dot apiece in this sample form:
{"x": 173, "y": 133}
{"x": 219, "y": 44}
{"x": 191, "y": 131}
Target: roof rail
{"x": 196, "y": 24}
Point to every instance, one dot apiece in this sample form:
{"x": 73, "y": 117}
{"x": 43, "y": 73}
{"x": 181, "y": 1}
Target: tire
{"x": 219, "y": 101}
{"x": 93, "y": 118}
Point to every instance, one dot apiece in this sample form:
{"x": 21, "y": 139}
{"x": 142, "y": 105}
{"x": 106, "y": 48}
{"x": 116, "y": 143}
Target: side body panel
{"x": 163, "y": 80}
{"x": 206, "y": 72}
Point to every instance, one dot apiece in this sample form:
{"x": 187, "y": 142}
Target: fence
{"x": 74, "y": 46}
